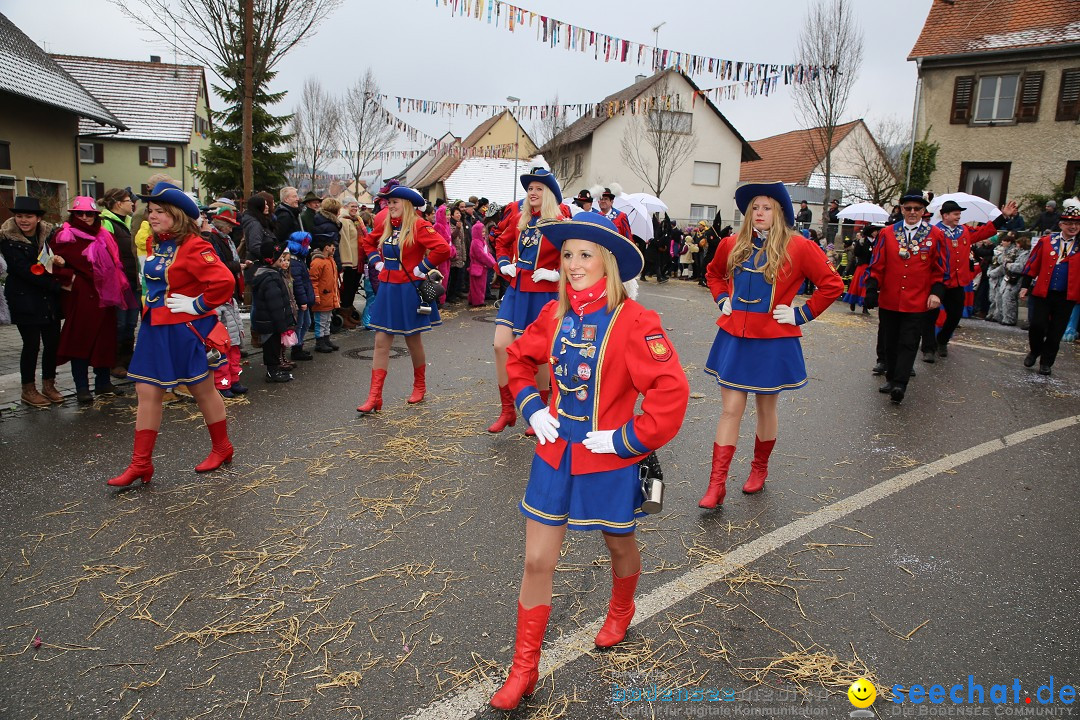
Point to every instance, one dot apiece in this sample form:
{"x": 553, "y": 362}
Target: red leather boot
{"x": 620, "y": 610}
{"x": 222, "y": 451}
{"x": 525, "y": 670}
{"x": 419, "y": 385}
{"x": 508, "y": 416}
{"x": 759, "y": 467}
{"x": 544, "y": 396}
{"x": 721, "y": 461}
{"x": 374, "y": 398}
{"x": 142, "y": 462}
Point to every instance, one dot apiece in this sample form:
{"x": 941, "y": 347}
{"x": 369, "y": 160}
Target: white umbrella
{"x": 649, "y": 202}
{"x": 864, "y": 212}
{"x": 575, "y": 209}
{"x": 975, "y": 208}
{"x": 639, "y": 217}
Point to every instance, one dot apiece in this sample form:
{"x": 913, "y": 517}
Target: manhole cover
{"x": 368, "y": 352}
{"x": 485, "y": 318}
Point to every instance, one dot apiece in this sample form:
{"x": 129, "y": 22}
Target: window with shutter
{"x": 963, "y": 91}
{"x": 170, "y": 160}
{"x": 144, "y": 155}
{"x": 99, "y": 153}
{"x": 1030, "y": 97}
{"x": 1069, "y": 98}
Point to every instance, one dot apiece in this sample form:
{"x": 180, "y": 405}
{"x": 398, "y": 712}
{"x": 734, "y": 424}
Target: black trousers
{"x": 35, "y": 337}
{"x": 1047, "y": 322}
{"x": 953, "y": 303}
{"x": 928, "y": 329}
{"x": 900, "y": 333}
{"x": 350, "y": 284}
{"x": 271, "y": 349}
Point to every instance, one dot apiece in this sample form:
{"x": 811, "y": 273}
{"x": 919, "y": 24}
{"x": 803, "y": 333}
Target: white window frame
{"x": 703, "y": 163}
{"x": 93, "y": 188}
{"x": 83, "y": 146}
{"x": 995, "y": 114}
{"x": 670, "y": 125}
{"x": 710, "y": 212}
{"x": 151, "y": 161}
{"x": 64, "y": 196}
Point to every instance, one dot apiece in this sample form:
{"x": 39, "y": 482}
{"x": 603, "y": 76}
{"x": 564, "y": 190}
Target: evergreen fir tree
{"x": 221, "y": 167}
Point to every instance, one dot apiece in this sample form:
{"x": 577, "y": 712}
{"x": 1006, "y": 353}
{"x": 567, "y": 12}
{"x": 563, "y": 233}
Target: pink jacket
{"x": 480, "y": 256}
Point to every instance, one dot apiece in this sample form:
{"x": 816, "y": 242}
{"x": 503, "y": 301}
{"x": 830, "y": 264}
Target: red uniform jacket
{"x": 195, "y": 271}
{"x": 506, "y": 252}
{"x": 805, "y": 261}
{"x": 622, "y": 223}
{"x": 1040, "y": 266}
{"x": 904, "y": 283}
{"x": 635, "y": 358}
{"x": 427, "y": 242}
{"x": 958, "y": 272}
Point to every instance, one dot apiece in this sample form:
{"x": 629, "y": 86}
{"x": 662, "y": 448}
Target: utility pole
{"x": 247, "y": 161}
{"x": 517, "y": 141}
{"x": 656, "y": 45}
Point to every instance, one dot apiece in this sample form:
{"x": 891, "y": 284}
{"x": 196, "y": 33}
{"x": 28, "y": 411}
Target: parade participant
{"x": 1009, "y": 296}
{"x": 1052, "y": 276}
{"x": 907, "y": 279}
{"x": 531, "y": 265}
{"x": 616, "y": 216}
{"x": 95, "y": 274}
{"x": 185, "y": 280}
{"x": 959, "y": 240}
{"x": 33, "y": 295}
{"x": 861, "y": 253}
{"x": 605, "y": 351}
{"x": 399, "y": 256}
{"x": 584, "y": 200}
{"x": 753, "y": 279}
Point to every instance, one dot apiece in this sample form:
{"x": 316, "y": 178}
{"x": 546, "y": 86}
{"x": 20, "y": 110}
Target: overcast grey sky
{"x": 439, "y": 56}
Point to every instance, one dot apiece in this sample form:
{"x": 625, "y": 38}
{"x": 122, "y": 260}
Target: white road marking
{"x": 467, "y": 702}
{"x": 973, "y": 346}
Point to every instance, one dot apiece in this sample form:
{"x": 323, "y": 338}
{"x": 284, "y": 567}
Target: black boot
{"x": 897, "y": 393}
{"x": 322, "y": 345}
{"x": 275, "y": 374}
{"x": 299, "y": 353}
{"x": 879, "y": 368}
{"x": 887, "y": 387}
{"x": 1029, "y": 359}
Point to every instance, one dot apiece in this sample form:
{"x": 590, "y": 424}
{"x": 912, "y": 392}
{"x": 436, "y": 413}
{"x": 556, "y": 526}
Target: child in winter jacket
{"x": 273, "y": 314}
{"x": 324, "y": 279}
{"x": 303, "y": 293}
{"x": 482, "y": 261}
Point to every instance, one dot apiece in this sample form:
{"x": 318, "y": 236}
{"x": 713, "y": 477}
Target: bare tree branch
{"x": 363, "y": 127}
{"x": 878, "y": 160}
{"x": 549, "y": 134}
{"x": 315, "y": 126}
{"x": 658, "y": 142}
{"x": 831, "y": 40}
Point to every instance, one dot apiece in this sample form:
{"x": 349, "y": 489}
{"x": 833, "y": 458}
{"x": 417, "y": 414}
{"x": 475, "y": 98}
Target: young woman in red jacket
{"x": 185, "y": 282}
{"x": 407, "y": 251}
{"x": 531, "y": 265}
{"x": 604, "y": 352}
{"x": 753, "y": 277}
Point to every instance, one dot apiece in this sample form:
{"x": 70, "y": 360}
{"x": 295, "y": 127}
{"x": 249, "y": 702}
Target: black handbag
{"x": 429, "y": 293}
{"x": 652, "y": 484}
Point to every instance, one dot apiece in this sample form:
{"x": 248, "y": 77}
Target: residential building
{"x": 167, "y": 113}
{"x": 39, "y": 127}
{"x": 797, "y": 159}
{"x": 589, "y": 151}
{"x": 1000, "y": 95}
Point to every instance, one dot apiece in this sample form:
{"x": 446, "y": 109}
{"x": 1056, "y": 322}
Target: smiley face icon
{"x": 862, "y": 693}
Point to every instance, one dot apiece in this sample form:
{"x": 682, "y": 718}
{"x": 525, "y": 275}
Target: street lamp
{"x": 517, "y": 140}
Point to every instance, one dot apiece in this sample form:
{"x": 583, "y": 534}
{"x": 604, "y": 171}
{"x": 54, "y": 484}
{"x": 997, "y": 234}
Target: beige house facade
{"x": 588, "y": 153}
{"x": 1003, "y": 103}
{"x": 167, "y": 113}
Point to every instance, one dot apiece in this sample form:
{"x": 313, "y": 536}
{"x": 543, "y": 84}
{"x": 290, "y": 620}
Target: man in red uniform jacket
{"x": 959, "y": 240}
{"x": 622, "y": 223}
{"x": 907, "y": 278}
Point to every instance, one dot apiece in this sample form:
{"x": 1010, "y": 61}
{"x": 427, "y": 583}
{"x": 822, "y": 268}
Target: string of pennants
{"x": 454, "y": 149}
{"x": 610, "y": 48}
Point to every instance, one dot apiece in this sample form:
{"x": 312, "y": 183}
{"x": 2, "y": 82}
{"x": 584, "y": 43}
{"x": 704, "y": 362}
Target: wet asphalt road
{"x": 346, "y": 566}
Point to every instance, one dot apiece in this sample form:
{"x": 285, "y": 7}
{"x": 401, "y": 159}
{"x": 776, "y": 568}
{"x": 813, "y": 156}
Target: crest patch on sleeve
{"x": 209, "y": 256}
{"x": 659, "y": 347}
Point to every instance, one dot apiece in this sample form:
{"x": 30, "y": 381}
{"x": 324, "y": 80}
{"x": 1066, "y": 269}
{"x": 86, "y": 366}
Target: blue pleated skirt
{"x": 519, "y": 308}
{"x": 609, "y": 501}
{"x": 394, "y": 311}
{"x": 764, "y": 366}
{"x": 171, "y": 355}
{"x": 857, "y": 292}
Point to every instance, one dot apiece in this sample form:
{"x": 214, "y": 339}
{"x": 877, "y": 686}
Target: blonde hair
{"x": 330, "y": 205}
{"x": 616, "y": 291}
{"x": 408, "y": 223}
{"x": 183, "y": 226}
{"x": 549, "y": 209}
{"x": 776, "y": 243}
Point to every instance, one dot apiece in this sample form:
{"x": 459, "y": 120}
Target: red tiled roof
{"x": 956, "y": 27}
{"x": 789, "y": 157}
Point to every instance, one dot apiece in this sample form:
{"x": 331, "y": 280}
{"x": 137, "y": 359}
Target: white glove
{"x": 379, "y": 266}
{"x": 784, "y": 314}
{"x": 600, "y": 441}
{"x": 725, "y": 306}
{"x": 181, "y": 304}
{"x": 418, "y": 272}
{"x": 542, "y": 274}
{"x": 509, "y": 270}
{"x": 545, "y": 425}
